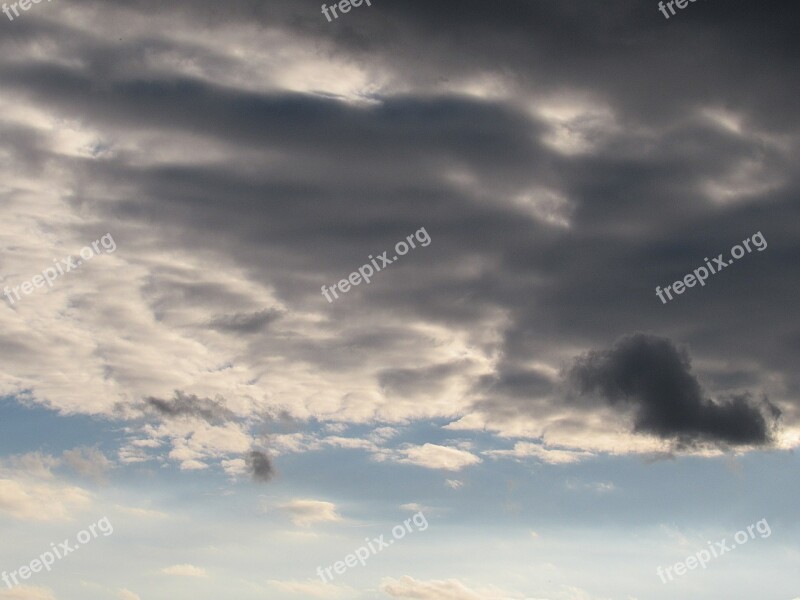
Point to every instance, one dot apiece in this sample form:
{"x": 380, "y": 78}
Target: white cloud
{"x": 141, "y": 513}
{"x": 600, "y": 487}
{"x": 336, "y": 427}
{"x": 32, "y": 464}
{"x": 351, "y": 443}
{"x": 193, "y": 465}
{"x": 27, "y": 593}
{"x": 314, "y": 589}
{"x": 408, "y": 587}
{"x": 449, "y": 589}
{"x": 235, "y": 467}
{"x": 546, "y": 455}
{"x": 287, "y": 443}
{"x": 454, "y": 483}
{"x": 146, "y": 443}
{"x": 195, "y": 443}
{"x": 124, "y": 594}
{"x": 382, "y": 434}
{"x": 185, "y": 571}
{"x": 30, "y": 491}
{"x": 433, "y": 456}
{"x": 305, "y": 512}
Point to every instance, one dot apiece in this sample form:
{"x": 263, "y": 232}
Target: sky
{"x": 417, "y": 300}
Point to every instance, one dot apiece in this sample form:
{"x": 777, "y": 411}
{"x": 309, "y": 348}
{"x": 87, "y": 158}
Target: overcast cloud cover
{"x": 517, "y": 380}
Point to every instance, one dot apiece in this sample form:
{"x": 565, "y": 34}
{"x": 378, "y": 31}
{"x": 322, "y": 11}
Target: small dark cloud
{"x": 260, "y": 466}
{"x": 648, "y": 374}
{"x": 245, "y": 323}
{"x": 190, "y": 406}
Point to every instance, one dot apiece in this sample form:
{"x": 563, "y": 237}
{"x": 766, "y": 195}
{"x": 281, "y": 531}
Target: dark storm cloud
{"x": 260, "y": 466}
{"x": 412, "y": 133}
{"x": 626, "y": 50}
{"x": 649, "y": 375}
{"x": 184, "y": 405}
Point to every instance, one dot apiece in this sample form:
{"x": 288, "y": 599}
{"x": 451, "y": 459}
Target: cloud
{"x": 141, "y": 513}
{"x": 314, "y": 589}
{"x": 650, "y": 376}
{"x": 599, "y": 487}
{"x": 414, "y": 507}
{"x": 552, "y": 250}
{"x": 31, "y": 464}
{"x": 29, "y": 501}
{"x": 407, "y": 382}
{"x": 545, "y": 455}
{"x": 195, "y": 442}
{"x": 305, "y": 512}
{"x": 449, "y": 589}
{"x": 185, "y": 570}
{"x": 408, "y": 587}
{"x": 242, "y": 169}
{"x": 27, "y": 593}
{"x": 260, "y": 466}
{"x": 88, "y": 462}
{"x": 245, "y": 323}
{"x": 124, "y": 594}
{"x": 433, "y": 456}
{"x": 234, "y": 467}
{"x": 184, "y": 405}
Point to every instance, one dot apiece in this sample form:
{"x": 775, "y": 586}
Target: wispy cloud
{"x": 185, "y": 570}
{"x": 306, "y": 512}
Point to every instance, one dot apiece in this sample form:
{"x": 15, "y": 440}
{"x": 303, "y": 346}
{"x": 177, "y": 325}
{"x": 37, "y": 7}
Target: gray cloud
{"x": 260, "y": 466}
{"x": 88, "y": 462}
{"x": 649, "y": 375}
{"x": 245, "y": 323}
{"x": 184, "y": 405}
{"x": 406, "y": 382}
